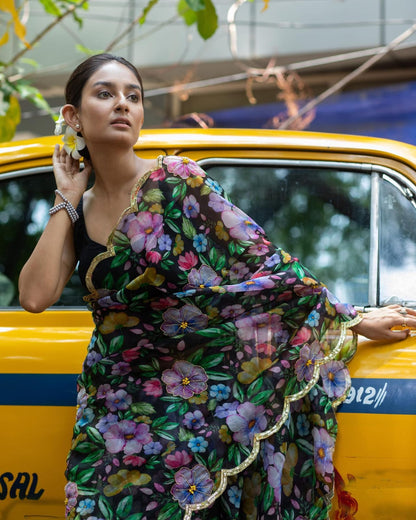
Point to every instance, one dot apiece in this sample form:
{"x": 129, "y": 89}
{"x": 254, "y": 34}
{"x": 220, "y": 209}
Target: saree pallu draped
{"x": 209, "y": 387}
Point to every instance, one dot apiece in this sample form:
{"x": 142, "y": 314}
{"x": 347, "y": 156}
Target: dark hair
{"x": 79, "y": 77}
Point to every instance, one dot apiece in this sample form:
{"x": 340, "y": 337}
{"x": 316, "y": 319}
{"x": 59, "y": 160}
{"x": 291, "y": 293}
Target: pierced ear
{"x": 70, "y": 114}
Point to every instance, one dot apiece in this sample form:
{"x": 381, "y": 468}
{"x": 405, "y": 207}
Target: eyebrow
{"x": 111, "y": 84}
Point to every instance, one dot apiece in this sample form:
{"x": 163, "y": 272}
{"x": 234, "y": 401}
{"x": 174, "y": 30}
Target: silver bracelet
{"x": 73, "y": 215}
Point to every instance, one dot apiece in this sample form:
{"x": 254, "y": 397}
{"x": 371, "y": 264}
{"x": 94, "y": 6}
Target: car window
{"x": 322, "y": 215}
{"x": 397, "y": 242}
{"x": 25, "y": 200}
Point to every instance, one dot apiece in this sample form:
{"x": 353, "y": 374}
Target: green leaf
{"x": 115, "y": 344}
{"x": 188, "y": 229}
{"x": 146, "y": 10}
{"x": 84, "y": 476}
{"x": 268, "y": 497}
{"x": 95, "y": 435}
{"x": 173, "y": 225}
{"x": 105, "y": 508}
{"x": 124, "y": 507}
{"x": 261, "y": 397}
{"x": 154, "y": 195}
{"x": 218, "y": 376}
{"x": 305, "y": 446}
{"x": 10, "y": 120}
{"x": 143, "y": 408}
{"x": 298, "y": 270}
{"x": 211, "y": 361}
{"x": 186, "y": 12}
{"x": 135, "y": 516}
{"x": 196, "y": 5}
{"x": 50, "y": 7}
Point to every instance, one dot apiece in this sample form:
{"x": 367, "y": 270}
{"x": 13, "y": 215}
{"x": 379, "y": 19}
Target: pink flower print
{"x": 323, "y": 450}
{"x": 183, "y": 167}
{"x": 249, "y": 420}
{"x": 127, "y": 436}
{"x": 158, "y": 175}
{"x": 274, "y": 474}
{"x": 241, "y": 226}
{"x": 71, "y": 493}
{"x": 144, "y": 229}
{"x": 258, "y": 249}
{"x": 335, "y": 378}
{"x": 120, "y": 369}
{"x": 181, "y": 321}
{"x": 187, "y": 261}
{"x": 260, "y": 327}
{"x": 178, "y": 459}
{"x": 153, "y": 387}
{"x": 134, "y": 460}
{"x": 305, "y": 365}
{"x": 231, "y": 311}
{"x": 119, "y": 400}
{"x": 192, "y": 485}
{"x": 302, "y": 336}
{"x": 190, "y": 206}
{"x": 205, "y": 276}
{"x": 163, "y": 303}
{"x": 153, "y": 257}
{"x": 218, "y": 203}
{"x": 238, "y": 271}
{"x": 185, "y": 379}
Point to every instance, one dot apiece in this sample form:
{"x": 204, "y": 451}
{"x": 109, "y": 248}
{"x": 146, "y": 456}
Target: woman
{"x": 212, "y": 373}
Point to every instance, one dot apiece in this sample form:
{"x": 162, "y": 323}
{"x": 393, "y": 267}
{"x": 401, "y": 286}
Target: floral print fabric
{"x": 211, "y": 375}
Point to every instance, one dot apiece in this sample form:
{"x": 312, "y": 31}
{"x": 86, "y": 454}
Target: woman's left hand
{"x": 378, "y": 324}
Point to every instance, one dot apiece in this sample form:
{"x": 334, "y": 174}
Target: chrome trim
{"x": 373, "y": 261}
{"x": 23, "y": 173}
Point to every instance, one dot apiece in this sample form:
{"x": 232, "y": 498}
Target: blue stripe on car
{"x": 380, "y": 396}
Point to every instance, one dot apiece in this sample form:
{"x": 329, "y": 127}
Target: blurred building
{"x": 258, "y": 62}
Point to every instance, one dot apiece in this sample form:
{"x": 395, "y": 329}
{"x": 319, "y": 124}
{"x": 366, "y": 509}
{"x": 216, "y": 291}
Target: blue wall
{"x": 388, "y": 111}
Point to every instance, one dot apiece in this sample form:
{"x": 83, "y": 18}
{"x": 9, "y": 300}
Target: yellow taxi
{"x": 345, "y": 205}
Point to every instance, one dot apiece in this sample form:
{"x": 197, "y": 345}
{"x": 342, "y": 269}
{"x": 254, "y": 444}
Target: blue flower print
{"x": 220, "y": 392}
{"x": 165, "y": 243}
{"x": 190, "y": 206}
{"x": 213, "y": 185}
{"x": 234, "y": 494}
{"x": 313, "y": 319}
{"x": 194, "y": 420}
{"x": 86, "y": 507}
{"x": 198, "y": 444}
{"x": 152, "y": 448}
{"x": 302, "y": 425}
{"x": 200, "y": 243}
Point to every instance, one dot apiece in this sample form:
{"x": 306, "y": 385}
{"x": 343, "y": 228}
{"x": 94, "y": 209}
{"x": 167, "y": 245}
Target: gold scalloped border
{"x": 110, "y": 246}
{"x": 225, "y": 473}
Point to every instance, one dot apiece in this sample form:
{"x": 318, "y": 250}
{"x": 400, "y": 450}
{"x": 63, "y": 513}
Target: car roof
{"x": 174, "y": 140}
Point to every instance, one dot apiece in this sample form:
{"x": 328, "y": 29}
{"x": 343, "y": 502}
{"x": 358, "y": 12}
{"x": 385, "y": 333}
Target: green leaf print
{"x": 135, "y": 516}
{"x": 170, "y": 512}
{"x": 211, "y": 361}
{"x": 305, "y": 446}
{"x": 95, "y": 435}
{"x": 268, "y": 497}
{"x": 116, "y": 344}
{"x": 188, "y": 229}
{"x": 153, "y": 195}
{"x": 124, "y": 507}
{"x": 262, "y": 397}
{"x": 173, "y": 225}
{"x": 143, "y": 408}
{"x": 298, "y": 270}
{"x": 84, "y": 476}
{"x": 105, "y": 508}
{"x": 218, "y": 376}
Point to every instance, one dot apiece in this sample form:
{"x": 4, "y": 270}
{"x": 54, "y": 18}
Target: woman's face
{"x": 111, "y": 110}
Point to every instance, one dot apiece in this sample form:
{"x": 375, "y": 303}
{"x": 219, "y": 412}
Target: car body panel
{"x": 41, "y": 355}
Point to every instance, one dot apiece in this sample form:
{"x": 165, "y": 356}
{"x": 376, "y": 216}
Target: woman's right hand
{"x": 69, "y": 177}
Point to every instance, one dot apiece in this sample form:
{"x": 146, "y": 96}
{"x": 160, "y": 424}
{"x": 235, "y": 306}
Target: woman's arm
{"x": 52, "y": 262}
{"x": 378, "y": 324}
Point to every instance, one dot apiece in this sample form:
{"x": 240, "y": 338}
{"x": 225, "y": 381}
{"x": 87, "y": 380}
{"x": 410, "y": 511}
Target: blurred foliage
{"x": 14, "y": 86}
